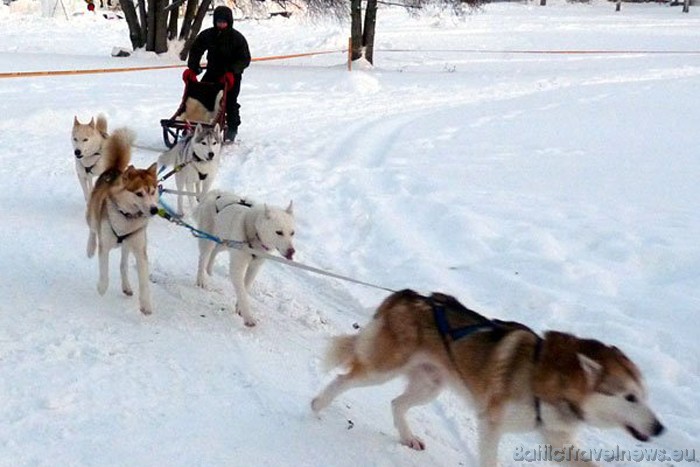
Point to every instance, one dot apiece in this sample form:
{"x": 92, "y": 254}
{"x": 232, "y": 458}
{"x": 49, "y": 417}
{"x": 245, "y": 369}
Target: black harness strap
{"x": 121, "y": 238}
{"x": 240, "y": 202}
{"x": 449, "y": 334}
{"x": 88, "y": 170}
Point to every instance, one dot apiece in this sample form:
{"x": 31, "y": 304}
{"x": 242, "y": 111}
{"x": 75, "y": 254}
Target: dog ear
{"x": 290, "y": 208}
{"x": 128, "y": 173}
{"x": 217, "y": 129}
{"x": 92, "y": 122}
{"x": 198, "y": 129}
{"x": 591, "y": 369}
{"x": 152, "y": 169}
{"x": 267, "y": 211}
{"x": 75, "y": 120}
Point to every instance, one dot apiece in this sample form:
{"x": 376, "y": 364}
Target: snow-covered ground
{"x": 557, "y": 190}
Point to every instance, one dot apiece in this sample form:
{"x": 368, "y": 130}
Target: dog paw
{"x": 201, "y": 283}
{"x": 146, "y": 310}
{"x": 101, "y": 288}
{"x": 127, "y": 291}
{"x": 250, "y": 322}
{"x": 414, "y": 443}
{"x": 317, "y": 405}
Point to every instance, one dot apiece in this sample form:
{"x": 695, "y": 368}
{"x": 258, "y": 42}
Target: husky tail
{"x": 101, "y": 125}
{"x": 340, "y": 352}
{"x": 117, "y": 151}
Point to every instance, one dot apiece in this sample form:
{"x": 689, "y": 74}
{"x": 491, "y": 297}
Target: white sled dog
{"x": 123, "y": 200}
{"x": 88, "y": 140}
{"x": 199, "y": 157}
{"x": 264, "y": 228}
{"x": 517, "y": 380}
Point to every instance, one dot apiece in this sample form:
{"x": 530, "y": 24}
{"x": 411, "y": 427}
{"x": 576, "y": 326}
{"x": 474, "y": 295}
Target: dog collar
{"x": 128, "y": 215}
{"x": 264, "y": 247}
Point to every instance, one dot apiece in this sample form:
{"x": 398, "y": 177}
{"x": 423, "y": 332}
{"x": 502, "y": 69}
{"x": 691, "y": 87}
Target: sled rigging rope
{"x": 33, "y": 74}
{"x": 169, "y": 215}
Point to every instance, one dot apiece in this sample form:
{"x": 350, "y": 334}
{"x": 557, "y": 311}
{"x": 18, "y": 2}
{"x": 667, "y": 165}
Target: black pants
{"x": 233, "y": 115}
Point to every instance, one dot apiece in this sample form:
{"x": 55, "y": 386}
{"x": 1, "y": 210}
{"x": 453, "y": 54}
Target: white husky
{"x": 198, "y": 157}
{"x": 88, "y": 140}
{"x": 263, "y": 228}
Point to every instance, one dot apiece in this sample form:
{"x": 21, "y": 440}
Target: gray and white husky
{"x": 198, "y": 157}
{"x": 88, "y": 140}
{"x": 263, "y": 228}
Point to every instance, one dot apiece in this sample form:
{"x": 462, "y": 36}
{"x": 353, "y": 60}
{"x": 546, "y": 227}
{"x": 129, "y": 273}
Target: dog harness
{"x": 88, "y": 170}
{"x": 247, "y": 204}
{"x": 449, "y": 334}
{"x": 128, "y": 215}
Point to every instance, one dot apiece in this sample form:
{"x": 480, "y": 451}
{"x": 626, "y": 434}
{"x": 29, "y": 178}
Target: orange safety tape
{"x": 553, "y": 52}
{"x": 31, "y": 74}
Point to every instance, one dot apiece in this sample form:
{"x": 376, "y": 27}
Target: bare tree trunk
{"x": 160, "y": 42}
{"x": 543, "y": 2}
{"x": 135, "y": 35}
{"x": 370, "y": 26}
{"x": 356, "y": 28}
{"x": 196, "y": 26}
{"x": 187, "y": 20}
{"x": 144, "y": 19}
{"x": 172, "y": 23}
{"x": 686, "y": 6}
{"x": 150, "y": 25}
{"x": 618, "y": 6}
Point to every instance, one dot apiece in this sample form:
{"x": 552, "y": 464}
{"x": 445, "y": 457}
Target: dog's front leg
{"x": 205, "y": 186}
{"x": 84, "y": 180}
{"x": 103, "y": 255}
{"x": 489, "y": 438}
{"x": 144, "y": 287}
{"x": 180, "y": 184}
{"x": 206, "y": 257}
{"x": 124, "y": 270}
{"x": 253, "y": 269}
{"x": 238, "y": 266}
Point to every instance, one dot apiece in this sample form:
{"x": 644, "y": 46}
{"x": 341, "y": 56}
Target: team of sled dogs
{"x": 516, "y": 379}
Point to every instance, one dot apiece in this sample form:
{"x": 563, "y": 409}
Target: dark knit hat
{"x": 223, "y": 13}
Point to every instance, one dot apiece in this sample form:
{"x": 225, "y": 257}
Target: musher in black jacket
{"x": 227, "y": 56}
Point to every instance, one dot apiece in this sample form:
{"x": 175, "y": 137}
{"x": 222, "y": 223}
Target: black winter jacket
{"x": 227, "y": 50}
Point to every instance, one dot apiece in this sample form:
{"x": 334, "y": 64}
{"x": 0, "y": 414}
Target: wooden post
{"x": 618, "y": 5}
{"x": 686, "y": 6}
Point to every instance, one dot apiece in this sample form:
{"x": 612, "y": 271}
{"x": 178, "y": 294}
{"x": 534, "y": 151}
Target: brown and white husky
{"x": 517, "y": 380}
{"x": 120, "y": 205}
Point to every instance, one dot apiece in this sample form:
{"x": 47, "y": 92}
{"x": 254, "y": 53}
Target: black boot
{"x": 231, "y": 134}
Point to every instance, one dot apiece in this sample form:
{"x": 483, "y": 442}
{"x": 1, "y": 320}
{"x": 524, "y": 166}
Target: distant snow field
{"x": 559, "y": 190}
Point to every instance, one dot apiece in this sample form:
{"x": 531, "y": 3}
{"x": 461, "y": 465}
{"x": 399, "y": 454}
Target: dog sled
{"x": 197, "y": 96}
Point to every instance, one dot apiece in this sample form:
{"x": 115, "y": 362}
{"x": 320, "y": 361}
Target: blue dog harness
{"x": 449, "y": 334}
